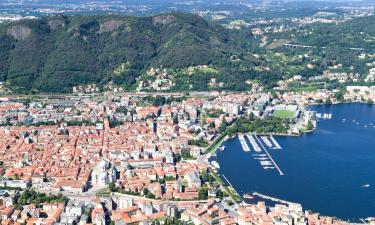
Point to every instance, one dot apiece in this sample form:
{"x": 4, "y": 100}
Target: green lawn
{"x": 201, "y": 70}
{"x": 305, "y": 89}
{"x": 283, "y": 113}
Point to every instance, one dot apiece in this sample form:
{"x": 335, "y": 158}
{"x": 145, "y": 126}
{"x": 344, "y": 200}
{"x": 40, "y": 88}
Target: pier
{"x": 323, "y": 116}
{"x": 253, "y": 143}
{"x": 267, "y": 141}
{"x": 269, "y": 156}
{"x": 244, "y": 145}
{"x": 272, "y": 198}
{"x": 277, "y": 146}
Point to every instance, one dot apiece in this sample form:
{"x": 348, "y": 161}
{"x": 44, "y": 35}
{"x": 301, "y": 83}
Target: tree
{"x": 145, "y": 191}
{"x": 310, "y": 125}
{"x": 328, "y": 101}
{"x": 339, "y": 96}
{"x": 122, "y": 109}
{"x": 220, "y": 194}
{"x": 203, "y": 193}
{"x": 112, "y": 187}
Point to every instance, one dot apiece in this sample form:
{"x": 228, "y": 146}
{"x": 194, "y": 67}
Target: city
{"x": 152, "y": 166}
{"x": 187, "y": 112}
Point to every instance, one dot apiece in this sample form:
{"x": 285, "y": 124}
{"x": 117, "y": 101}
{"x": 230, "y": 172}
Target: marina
{"x": 265, "y": 160}
{"x": 276, "y": 144}
{"x": 323, "y": 115}
{"x": 244, "y": 145}
{"x": 318, "y": 167}
{"x": 253, "y": 143}
{"x": 267, "y": 141}
{"x": 272, "y": 162}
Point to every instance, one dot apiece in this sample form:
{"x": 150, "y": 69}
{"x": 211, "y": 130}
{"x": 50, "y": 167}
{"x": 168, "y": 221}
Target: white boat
{"x": 262, "y": 155}
{"x": 215, "y": 164}
{"x": 266, "y": 163}
{"x": 243, "y": 143}
{"x": 261, "y": 158}
{"x": 254, "y": 143}
{"x": 365, "y": 186}
{"x": 276, "y": 144}
{"x": 248, "y": 196}
{"x": 266, "y": 141}
{"x": 269, "y": 167}
{"x": 222, "y": 148}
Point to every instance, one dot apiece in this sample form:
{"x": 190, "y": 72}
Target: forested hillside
{"x": 356, "y": 33}
{"x": 53, "y": 54}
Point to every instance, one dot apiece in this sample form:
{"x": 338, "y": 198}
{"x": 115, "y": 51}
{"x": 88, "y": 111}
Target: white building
{"x": 103, "y": 174}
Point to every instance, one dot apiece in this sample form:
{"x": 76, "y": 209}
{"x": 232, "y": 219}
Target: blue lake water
{"x": 324, "y": 171}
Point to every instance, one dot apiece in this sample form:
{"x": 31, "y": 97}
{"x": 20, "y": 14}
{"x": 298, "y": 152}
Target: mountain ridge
{"x": 52, "y": 54}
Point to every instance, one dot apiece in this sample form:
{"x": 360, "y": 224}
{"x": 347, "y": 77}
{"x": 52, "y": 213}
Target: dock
{"x": 276, "y": 144}
{"x": 272, "y": 198}
{"x": 244, "y": 145}
{"x": 266, "y": 141}
{"x": 270, "y": 157}
{"x": 323, "y": 116}
{"x": 253, "y": 143}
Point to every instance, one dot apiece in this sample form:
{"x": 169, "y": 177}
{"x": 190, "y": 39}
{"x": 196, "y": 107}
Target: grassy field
{"x": 305, "y": 89}
{"x": 201, "y": 70}
{"x": 283, "y": 113}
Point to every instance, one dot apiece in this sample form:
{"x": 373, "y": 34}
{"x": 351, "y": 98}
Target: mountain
{"x": 52, "y": 54}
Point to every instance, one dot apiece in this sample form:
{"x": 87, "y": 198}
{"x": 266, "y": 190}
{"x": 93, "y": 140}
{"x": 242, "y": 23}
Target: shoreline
{"x": 351, "y": 220}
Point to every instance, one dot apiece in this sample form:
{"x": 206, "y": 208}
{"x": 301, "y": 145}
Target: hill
{"x": 355, "y": 33}
{"x": 52, "y": 54}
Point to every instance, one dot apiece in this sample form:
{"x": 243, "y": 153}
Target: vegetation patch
{"x": 284, "y": 114}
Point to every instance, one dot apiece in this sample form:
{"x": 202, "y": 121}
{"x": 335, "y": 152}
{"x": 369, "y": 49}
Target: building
{"x": 103, "y": 174}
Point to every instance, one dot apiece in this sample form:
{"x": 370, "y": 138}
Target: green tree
{"x": 310, "y": 125}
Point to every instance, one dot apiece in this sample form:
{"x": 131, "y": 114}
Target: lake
{"x": 331, "y": 170}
